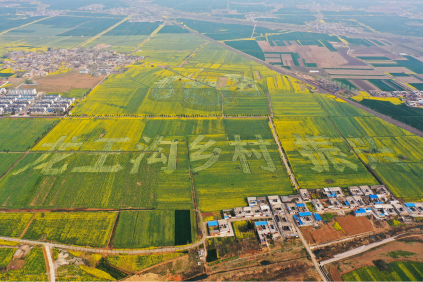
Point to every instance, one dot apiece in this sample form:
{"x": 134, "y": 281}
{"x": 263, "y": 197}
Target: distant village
{"x": 331, "y": 28}
{"x": 278, "y": 216}
{"x": 88, "y": 61}
{"x": 410, "y": 98}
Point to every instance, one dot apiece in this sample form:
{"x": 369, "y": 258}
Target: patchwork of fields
{"x": 190, "y": 120}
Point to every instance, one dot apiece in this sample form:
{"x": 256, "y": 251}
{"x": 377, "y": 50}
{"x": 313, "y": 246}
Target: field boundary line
{"x": 114, "y": 227}
{"x": 284, "y": 158}
{"x": 10, "y": 168}
{"x": 27, "y": 226}
{"x": 148, "y": 38}
{"x": 6, "y": 31}
{"x": 101, "y": 33}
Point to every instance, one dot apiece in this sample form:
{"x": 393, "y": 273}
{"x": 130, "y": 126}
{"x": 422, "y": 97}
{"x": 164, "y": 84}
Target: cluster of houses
{"x": 411, "y": 98}
{"x": 51, "y": 104}
{"x": 87, "y": 60}
{"x": 275, "y": 216}
{"x": 363, "y": 200}
{"x": 17, "y": 100}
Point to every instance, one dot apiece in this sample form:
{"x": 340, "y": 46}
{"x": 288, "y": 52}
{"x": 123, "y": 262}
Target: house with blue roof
{"x": 363, "y": 212}
{"x": 304, "y": 219}
{"x": 414, "y": 209}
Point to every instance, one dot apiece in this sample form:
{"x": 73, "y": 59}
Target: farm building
{"x": 363, "y": 212}
{"x": 285, "y": 226}
{"x": 414, "y": 209}
{"x": 304, "y": 219}
{"x": 355, "y": 191}
{"x": 366, "y": 190}
{"x": 305, "y": 195}
{"x": 380, "y": 190}
{"x": 333, "y": 192}
{"x": 220, "y": 228}
{"x": 317, "y": 205}
{"x": 276, "y": 205}
{"x": 399, "y": 208}
{"x": 22, "y": 92}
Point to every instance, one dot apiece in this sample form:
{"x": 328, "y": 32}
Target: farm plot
{"x": 78, "y": 228}
{"x": 216, "y": 54}
{"x": 101, "y": 180}
{"x": 91, "y": 28}
{"x": 318, "y": 155}
{"x": 222, "y": 31}
{"x": 6, "y": 256}
{"x": 142, "y": 229}
{"x": 120, "y": 44}
{"x": 34, "y": 268}
{"x": 22, "y": 134}
{"x": 173, "y": 29}
{"x": 336, "y": 107}
{"x": 66, "y": 82}
{"x": 367, "y": 126}
{"x": 249, "y": 47}
{"x": 115, "y": 185}
{"x": 151, "y": 91}
{"x": 134, "y": 263}
{"x": 403, "y": 113}
{"x": 170, "y": 49}
{"x": 133, "y": 28}
{"x": 396, "y": 271}
{"x": 237, "y": 165}
{"x": 403, "y": 180}
{"x": 13, "y": 224}
{"x": 7, "y": 161}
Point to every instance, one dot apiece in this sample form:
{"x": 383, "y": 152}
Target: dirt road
{"x": 358, "y": 250}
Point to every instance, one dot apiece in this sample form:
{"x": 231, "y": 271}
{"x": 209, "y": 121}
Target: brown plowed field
{"x": 355, "y": 225}
{"x": 273, "y": 60}
{"x": 322, "y": 235}
{"x": 65, "y": 82}
{"x": 350, "y": 224}
{"x": 409, "y": 79}
{"x": 356, "y": 72}
{"x": 364, "y": 85}
{"x": 357, "y": 77}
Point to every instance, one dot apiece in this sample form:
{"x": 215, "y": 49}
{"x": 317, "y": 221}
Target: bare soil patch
{"x": 364, "y": 85}
{"x": 273, "y": 60}
{"x": 272, "y": 55}
{"x": 409, "y": 79}
{"x": 221, "y": 81}
{"x": 365, "y": 259}
{"x": 65, "y": 82}
{"x": 322, "y": 235}
{"x": 394, "y": 69}
{"x": 356, "y": 72}
{"x": 287, "y": 60}
{"x": 258, "y": 76}
{"x": 355, "y": 225}
{"x": 333, "y": 273}
{"x": 357, "y": 77}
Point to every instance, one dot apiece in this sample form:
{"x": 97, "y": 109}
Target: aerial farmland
{"x": 210, "y": 140}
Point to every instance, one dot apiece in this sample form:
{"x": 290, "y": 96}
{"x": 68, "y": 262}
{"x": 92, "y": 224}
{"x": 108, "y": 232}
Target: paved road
{"x": 358, "y": 250}
{"x": 107, "y": 251}
{"x": 52, "y": 275}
